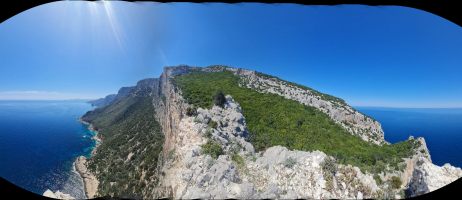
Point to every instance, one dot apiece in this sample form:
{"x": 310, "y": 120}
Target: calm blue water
{"x": 39, "y": 141}
{"x": 441, "y": 128}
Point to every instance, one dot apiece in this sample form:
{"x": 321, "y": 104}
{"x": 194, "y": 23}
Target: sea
{"x": 40, "y": 140}
{"x": 441, "y": 128}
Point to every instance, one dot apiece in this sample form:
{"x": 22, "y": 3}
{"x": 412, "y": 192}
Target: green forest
{"x": 126, "y": 127}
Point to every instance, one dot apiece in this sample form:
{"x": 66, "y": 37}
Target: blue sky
{"x": 369, "y": 56}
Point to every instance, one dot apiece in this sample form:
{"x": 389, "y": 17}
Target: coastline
{"x": 90, "y": 182}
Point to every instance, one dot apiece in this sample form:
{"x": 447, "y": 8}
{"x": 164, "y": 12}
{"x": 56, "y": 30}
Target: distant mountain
{"x": 103, "y": 101}
{"x": 223, "y": 132}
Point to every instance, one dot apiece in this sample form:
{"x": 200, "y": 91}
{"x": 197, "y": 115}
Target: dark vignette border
{"x": 450, "y": 10}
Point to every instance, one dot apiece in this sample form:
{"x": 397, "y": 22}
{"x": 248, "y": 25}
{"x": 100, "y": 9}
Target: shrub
{"x": 208, "y": 133}
{"x": 190, "y": 111}
{"x": 212, "y": 148}
{"x": 299, "y": 123}
{"x": 395, "y": 182}
{"x": 377, "y": 179}
{"x": 238, "y": 160}
{"x": 329, "y": 166}
{"x": 290, "y": 162}
{"x": 213, "y": 124}
{"x": 219, "y": 99}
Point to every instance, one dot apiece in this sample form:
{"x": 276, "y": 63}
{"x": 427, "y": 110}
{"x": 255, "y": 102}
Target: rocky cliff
{"x": 209, "y": 151}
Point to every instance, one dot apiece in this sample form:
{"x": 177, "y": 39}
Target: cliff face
{"x": 208, "y": 153}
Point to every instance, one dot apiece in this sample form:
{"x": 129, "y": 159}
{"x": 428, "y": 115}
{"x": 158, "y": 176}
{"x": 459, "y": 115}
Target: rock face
{"x": 184, "y": 170}
{"x": 428, "y": 177}
{"x": 57, "y": 195}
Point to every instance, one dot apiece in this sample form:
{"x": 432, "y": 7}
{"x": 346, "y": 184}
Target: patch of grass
{"x": 274, "y": 120}
{"x": 212, "y": 148}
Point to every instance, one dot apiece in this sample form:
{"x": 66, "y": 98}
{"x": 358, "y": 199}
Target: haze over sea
{"x": 39, "y": 141}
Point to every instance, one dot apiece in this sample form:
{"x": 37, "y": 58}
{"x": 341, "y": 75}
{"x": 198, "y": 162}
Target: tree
{"x": 219, "y": 99}
{"x": 191, "y": 111}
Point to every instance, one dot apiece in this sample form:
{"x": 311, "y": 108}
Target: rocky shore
{"x": 90, "y": 181}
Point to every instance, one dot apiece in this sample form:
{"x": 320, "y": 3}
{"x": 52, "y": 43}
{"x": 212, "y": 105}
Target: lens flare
{"x": 113, "y": 22}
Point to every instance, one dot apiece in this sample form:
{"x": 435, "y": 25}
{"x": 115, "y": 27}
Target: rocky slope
{"x": 206, "y": 152}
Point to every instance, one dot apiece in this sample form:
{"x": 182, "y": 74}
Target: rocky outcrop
{"x": 57, "y": 195}
{"x": 241, "y": 173}
{"x": 90, "y": 182}
{"x": 428, "y": 177}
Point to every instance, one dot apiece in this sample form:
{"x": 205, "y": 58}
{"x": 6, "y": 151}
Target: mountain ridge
{"x": 193, "y": 136}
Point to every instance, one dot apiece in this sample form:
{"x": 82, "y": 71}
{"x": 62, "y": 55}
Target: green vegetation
{"x": 212, "y": 124}
{"x": 377, "y": 179}
{"x": 132, "y": 141}
{"x": 395, "y": 182}
{"x": 212, "y": 148}
{"x": 219, "y": 99}
{"x": 273, "y": 120}
{"x": 191, "y": 111}
{"x": 329, "y": 166}
{"x": 240, "y": 162}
